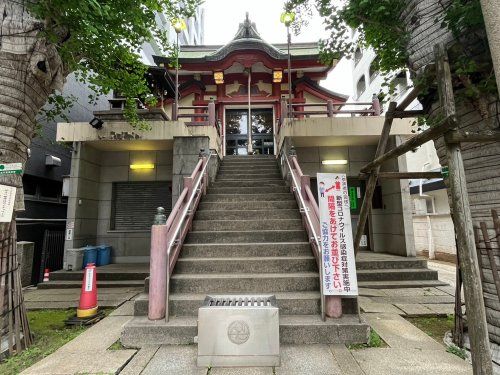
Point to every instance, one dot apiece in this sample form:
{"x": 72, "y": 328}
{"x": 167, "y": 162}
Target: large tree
{"x": 403, "y": 34}
{"x": 41, "y": 42}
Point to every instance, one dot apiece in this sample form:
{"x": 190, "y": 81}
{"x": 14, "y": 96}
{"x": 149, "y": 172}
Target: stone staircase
{"x": 247, "y": 238}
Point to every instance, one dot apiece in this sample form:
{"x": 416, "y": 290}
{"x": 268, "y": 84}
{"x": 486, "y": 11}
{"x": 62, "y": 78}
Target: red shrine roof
{"x": 248, "y": 47}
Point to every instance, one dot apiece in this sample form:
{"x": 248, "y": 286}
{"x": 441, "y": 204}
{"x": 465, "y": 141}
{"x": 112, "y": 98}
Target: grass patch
{"x": 374, "y": 341}
{"x": 434, "y": 326}
{"x": 457, "y": 351}
{"x": 50, "y": 334}
{"x": 117, "y": 345}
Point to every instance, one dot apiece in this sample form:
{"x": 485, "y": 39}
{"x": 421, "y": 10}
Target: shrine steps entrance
{"x": 247, "y": 238}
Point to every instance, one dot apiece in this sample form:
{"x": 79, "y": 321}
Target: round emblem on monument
{"x": 238, "y": 332}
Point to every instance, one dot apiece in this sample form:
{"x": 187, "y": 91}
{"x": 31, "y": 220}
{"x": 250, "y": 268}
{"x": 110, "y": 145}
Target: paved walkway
{"x": 409, "y": 351}
{"x": 37, "y": 299}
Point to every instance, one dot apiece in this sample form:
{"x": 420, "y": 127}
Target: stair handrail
{"x": 310, "y": 211}
{"x": 169, "y": 237}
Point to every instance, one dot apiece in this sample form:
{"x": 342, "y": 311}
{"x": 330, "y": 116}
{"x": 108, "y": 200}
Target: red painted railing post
{"x": 305, "y": 180}
{"x": 329, "y": 108}
{"x": 211, "y": 113}
{"x": 158, "y": 268}
{"x": 377, "y": 110}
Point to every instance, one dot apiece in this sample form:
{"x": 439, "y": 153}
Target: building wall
{"x": 89, "y": 206}
{"x": 391, "y": 227}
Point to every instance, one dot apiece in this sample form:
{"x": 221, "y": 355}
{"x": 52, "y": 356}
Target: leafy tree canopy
{"x": 100, "y": 40}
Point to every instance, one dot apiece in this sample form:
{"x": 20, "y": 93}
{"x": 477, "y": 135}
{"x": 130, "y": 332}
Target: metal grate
{"x": 240, "y": 301}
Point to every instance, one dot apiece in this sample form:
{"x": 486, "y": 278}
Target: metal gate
{"x": 52, "y": 251}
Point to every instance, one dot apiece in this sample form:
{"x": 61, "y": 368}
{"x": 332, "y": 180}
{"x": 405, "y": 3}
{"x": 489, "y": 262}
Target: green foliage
{"x": 464, "y": 16}
{"x": 101, "y": 40}
{"x": 459, "y": 352}
{"x": 50, "y": 334}
{"x": 374, "y": 341}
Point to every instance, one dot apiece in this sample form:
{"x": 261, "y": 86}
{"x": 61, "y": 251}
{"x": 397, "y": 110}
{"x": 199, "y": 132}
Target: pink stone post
{"x": 333, "y": 306}
{"x": 158, "y": 272}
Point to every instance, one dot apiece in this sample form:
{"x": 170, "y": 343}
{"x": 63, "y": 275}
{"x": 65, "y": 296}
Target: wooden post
{"x": 372, "y": 180}
{"x": 491, "y": 256}
{"x": 474, "y": 302}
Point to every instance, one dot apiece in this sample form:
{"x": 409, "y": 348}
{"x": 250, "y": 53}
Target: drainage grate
{"x": 240, "y": 301}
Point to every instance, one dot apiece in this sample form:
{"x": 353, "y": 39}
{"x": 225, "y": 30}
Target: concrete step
{"x": 248, "y": 197}
{"x": 294, "y": 329}
{"x": 291, "y": 303}
{"x": 248, "y": 183}
{"x": 249, "y": 167}
{"x": 243, "y": 158}
{"x": 257, "y": 170}
{"x": 248, "y": 205}
{"x": 246, "y": 250}
{"x": 391, "y": 264}
{"x": 233, "y": 225}
{"x": 248, "y": 190}
{"x": 247, "y": 214}
{"x": 248, "y": 176}
{"x": 231, "y": 265}
{"x": 397, "y": 284}
{"x": 406, "y": 274}
{"x": 66, "y": 284}
{"x": 247, "y": 236}
{"x": 243, "y": 283}
{"x": 101, "y": 275}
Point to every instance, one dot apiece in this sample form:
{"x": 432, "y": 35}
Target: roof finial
{"x": 247, "y": 17}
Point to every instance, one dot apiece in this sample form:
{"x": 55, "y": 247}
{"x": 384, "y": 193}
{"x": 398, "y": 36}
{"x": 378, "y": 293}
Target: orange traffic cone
{"x": 46, "y": 275}
{"x": 87, "y": 307}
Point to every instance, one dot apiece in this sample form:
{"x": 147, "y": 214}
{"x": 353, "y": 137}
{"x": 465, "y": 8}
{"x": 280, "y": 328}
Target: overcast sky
{"x": 222, "y": 18}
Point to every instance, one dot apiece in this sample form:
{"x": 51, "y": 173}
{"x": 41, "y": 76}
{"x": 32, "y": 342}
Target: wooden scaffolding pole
{"x": 466, "y": 247}
{"x": 372, "y": 179}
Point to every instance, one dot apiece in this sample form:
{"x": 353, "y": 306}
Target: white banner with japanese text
{"x": 338, "y": 263}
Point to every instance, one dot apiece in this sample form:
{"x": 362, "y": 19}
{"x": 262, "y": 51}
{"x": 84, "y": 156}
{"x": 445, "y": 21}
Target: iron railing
{"x": 310, "y": 212}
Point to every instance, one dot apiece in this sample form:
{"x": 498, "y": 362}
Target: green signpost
{"x": 11, "y": 168}
{"x": 353, "y": 198}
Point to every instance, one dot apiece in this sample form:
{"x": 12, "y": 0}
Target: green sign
{"x": 11, "y": 168}
{"x": 353, "y": 199}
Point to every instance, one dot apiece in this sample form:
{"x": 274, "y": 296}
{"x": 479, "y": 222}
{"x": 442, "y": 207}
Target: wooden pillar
{"x": 491, "y": 15}
{"x": 372, "y": 180}
{"x": 462, "y": 219}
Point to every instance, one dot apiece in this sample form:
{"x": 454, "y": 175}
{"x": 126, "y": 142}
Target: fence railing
{"x": 200, "y": 115}
{"x": 301, "y": 187}
{"x": 329, "y": 108}
{"x": 167, "y": 238}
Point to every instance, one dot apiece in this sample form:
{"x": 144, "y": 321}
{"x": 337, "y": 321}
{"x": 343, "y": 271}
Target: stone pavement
{"x": 37, "y": 299}
{"x": 430, "y": 301}
{"x": 409, "y": 351}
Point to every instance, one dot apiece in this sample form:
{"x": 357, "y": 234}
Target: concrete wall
{"x": 391, "y": 228}
{"x": 89, "y": 204}
{"x": 128, "y": 246}
{"x": 434, "y": 231}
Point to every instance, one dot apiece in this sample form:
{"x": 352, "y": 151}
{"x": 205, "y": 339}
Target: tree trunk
{"x": 422, "y": 20}
{"x": 30, "y": 70}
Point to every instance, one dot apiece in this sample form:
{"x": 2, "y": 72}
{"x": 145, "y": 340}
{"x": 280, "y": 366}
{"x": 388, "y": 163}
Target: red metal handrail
{"x": 167, "y": 239}
{"x": 310, "y": 212}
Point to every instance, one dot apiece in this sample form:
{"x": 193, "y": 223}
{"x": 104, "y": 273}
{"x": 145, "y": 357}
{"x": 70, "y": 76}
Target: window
{"x": 361, "y": 86}
{"x": 357, "y": 56}
{"x": 134, "y": 203}
{"x": 373, "y": 72}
